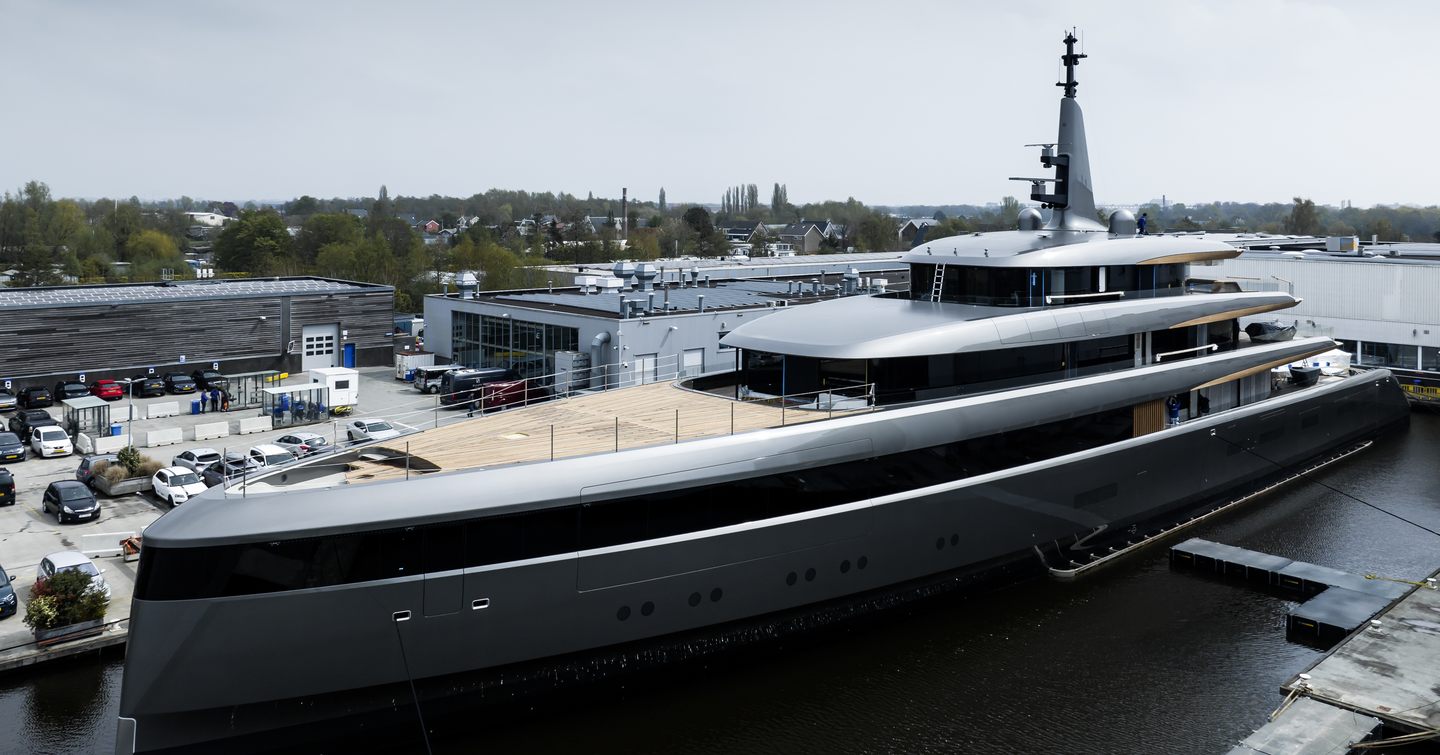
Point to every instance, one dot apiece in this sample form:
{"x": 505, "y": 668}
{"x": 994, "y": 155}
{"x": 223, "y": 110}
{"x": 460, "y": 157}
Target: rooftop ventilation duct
{"x": 624, "y": 271}
{"x": 701, "y": 299}
{"x": 467, "y": 284}
{"x": 645, "y": 273}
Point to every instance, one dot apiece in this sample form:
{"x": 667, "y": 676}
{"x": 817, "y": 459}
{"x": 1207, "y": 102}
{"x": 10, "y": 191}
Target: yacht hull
{"x": 230, "y": 668}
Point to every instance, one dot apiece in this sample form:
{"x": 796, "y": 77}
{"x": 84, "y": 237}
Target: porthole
{"x": 716, "y": 594}
{"x": 810, "y": 574}
{"x": 845, "y": 566}
{"x": 954, "y": 539}
{"x": 863, "y": 562}
{"x": 647, "y": 608}
{"x": 623, "y": 613}
{"x": 939, "y": 543}
{"x": 694, "y": 599}
{"x": 790, "y": 579}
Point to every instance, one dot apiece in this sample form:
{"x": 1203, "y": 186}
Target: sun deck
{"x": 614, "y": 420}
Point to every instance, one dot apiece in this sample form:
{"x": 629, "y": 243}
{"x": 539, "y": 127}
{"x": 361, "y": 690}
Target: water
{"x": 1134, "y": 659}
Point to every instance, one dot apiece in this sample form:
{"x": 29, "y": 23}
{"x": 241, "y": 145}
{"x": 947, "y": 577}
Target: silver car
{"x": 196, "y": 459}
{"x": 303, "y": 444}
{"x": 72, "y": 560}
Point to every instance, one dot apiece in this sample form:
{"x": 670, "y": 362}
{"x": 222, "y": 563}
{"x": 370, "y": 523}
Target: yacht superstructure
{"x": 1034, "y": 390}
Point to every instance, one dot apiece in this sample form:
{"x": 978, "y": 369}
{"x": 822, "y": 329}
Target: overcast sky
{"x": 889, "y": 102}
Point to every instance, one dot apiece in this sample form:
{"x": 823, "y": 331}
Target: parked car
{"x": 85, "y": 473}
{"x": 70, "y": 389}
{"x": 146, "y": 386}
{"x": 270, "y": 455}
{"x": 11, "y": 448}
{"x": 47, "y": 441}
{"x": 234, "y": 466}
{"x": 69, "y": 500}
{"x": 9, "y": 605}
{"x": 35, "y": 397}
{"x": 8, "y": 402}
{"x": 176, "y": 485}
{"x": 107, "y": 389}
{"x": 361, "y": 430}
{"x": 303, "y": 444}
{"x": 72, "y": 561}
{"x": 179, "y": 382}
{"x": 27, "y": 419}
{"x": 208, "y": 379}
{"x": 196, "y": 459}
{"x": 7, "y": 487}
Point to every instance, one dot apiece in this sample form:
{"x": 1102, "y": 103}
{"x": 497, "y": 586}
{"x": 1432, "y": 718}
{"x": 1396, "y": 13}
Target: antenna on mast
{"x": 1070, "y": 59}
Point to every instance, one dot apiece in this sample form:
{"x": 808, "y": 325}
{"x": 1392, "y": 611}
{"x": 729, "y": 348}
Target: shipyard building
{"x": 244, "y": 325}
{"x": 630, "y": 322}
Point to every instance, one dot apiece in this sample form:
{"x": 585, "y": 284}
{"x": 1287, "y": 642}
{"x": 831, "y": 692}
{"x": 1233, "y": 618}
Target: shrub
{"x": 149, "y": 467}
{"x": 69, "y": 597}
{"x": 100, "y": 467}
{"x": 130, "y": 457}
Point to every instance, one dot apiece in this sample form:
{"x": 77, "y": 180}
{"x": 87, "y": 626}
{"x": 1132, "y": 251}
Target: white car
{"x": 269, "y": 455}
{"x": 72, "y": 560}
{"x": 176, "y": 485}
{"x": 303, "y": 444}
{"x": 50, "y": 441}
{"x": 196, "y": 459}
{"x": 361, "y": 430}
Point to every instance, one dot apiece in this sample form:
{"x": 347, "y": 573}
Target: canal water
{"x": 1133, "y": 659}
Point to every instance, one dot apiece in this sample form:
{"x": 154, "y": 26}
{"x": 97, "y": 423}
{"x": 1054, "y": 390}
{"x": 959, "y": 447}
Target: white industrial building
{"x": 637, "y": 322}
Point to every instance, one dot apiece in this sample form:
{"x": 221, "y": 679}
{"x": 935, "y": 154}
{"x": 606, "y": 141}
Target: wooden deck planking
{"x": 584, "y": 425}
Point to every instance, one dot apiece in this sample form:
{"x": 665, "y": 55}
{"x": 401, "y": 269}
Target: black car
{"x": 146, "y": 386}
{"x": 70, "y": 500}
{"x": 35, "y": 397}
{"x": 11, "y": 449}
{"x": 179, "y": 382}
{"x": 71, "y": 389}
{"x": 208, "y": 379}
{"x": 27, "y": 419}
{"x": 7, "y": 487}
{"x": 9, "y": 606}
{"x": 233, "y": 467}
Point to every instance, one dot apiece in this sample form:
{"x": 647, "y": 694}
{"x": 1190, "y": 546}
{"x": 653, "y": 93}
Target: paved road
{"x": 27, "y": 535}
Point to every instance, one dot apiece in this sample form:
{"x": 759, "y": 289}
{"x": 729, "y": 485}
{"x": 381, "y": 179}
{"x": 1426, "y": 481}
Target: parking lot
{"x": 27, "y": 535}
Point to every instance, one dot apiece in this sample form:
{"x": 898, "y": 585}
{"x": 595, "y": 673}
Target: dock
{"x": 116, "y": 632}
{"x": 1336, "y": 603}
{"x": 1382, "y": 680}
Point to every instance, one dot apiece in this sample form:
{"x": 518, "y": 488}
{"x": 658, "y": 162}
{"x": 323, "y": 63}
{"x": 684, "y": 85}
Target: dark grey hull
{"x": 231, "y": 667}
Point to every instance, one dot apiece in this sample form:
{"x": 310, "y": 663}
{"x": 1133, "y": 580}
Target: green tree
{"x": 305, "y": 205}
{"x": 257, "y": 244}
{"x": 1304, "y": 219}
{"x": 662, "y": 198}
{"x": 1009, "y": 213}
{"x": 326, "y": 228}
{"x": 877, "y": 233}
{"x": 643, "y": 244}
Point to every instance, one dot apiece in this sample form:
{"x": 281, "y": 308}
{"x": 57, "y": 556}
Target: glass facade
{"x": 1030, "y": 287}
{"x": 1389, "y": 354}
{"x": 526, "y": 347}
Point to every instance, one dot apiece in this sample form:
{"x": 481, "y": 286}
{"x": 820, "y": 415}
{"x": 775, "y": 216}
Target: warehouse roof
{"x": 140, "y": 293}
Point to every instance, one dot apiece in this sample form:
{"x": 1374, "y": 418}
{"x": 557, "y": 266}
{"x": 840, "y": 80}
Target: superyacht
{"x": 1035, "y": 392}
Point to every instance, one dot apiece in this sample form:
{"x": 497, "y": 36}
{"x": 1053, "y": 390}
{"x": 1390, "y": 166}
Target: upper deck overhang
{"x": 1064, "y": 248}
{"x": 865, "y": 327}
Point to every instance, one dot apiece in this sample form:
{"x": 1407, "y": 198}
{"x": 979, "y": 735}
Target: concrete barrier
{"x": 105, "y": 444}
{"x": 208, "y": 430}
{"x": 254, "y": 425}
{"x": 163, "y": 409}
{"x": 121, "y": 413}
{"x": 104, "y": 544}
{"x": 168, "y": 437}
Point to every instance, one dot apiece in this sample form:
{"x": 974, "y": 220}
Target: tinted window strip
{"x": 256, "y": 568}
